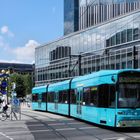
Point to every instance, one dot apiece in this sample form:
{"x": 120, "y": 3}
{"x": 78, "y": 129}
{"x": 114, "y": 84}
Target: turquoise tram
{"x": 57, "y": 97}
{"x": 107, "y": 97}
{"x": 39, "y": 96}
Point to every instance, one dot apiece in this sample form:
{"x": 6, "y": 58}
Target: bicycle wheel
{"x": 3, "y": 116}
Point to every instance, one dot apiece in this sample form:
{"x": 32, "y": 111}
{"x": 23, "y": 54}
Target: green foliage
{"x": 23, "y": 84}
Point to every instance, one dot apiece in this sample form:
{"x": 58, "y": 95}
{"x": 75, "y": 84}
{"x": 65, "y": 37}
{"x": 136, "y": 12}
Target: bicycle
{"x": 7, "y": 113}
{"x": 3, "y": 115}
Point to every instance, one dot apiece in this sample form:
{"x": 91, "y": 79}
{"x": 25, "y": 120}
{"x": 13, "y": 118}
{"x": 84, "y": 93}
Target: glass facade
{"x": 80, "y": 14}
{"x": 106, "y": 46}
{"x": 93, "y": 12}
{"x": 71, "y": 13}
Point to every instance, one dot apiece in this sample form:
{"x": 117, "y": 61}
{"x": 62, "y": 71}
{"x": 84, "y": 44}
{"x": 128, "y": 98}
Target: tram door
{"x": 79, "y": 102}
{"x": 56, "y": 101}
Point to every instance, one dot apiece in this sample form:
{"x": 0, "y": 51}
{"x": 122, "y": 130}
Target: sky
{"x": 26, "y": 24}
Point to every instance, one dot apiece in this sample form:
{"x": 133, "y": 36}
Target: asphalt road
{"x": 45, "y": 126}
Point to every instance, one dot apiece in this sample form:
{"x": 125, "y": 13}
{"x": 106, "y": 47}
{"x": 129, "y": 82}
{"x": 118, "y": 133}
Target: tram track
{"x": 58, "y": 133}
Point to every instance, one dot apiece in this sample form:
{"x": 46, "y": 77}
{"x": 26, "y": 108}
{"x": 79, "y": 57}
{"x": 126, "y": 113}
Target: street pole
{"x": 69, "y": 71}
{"x": 79, "y": 64}
{"x": 134, "y": 57}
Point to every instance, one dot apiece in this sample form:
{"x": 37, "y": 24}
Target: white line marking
{"x": 35, "y": 125}
{"x": 122, "y": 138}
{"x": 6, "y": 136}
{"x": 44, "y": 130}
{"x": 40, "y": 130}
{"x": 138, "y": 136}
{"x": 87, "y": 127}
{"x": 116, "y": 138}
{"x": 76, "y": 123}
{"x": 65, "y": 129}
{"x": 56, "y": 124}
{"x": 34, "y": 131}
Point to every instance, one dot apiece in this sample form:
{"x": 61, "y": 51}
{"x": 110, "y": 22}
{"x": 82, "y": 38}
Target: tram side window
{"x": 51, "y": 97}
{"x": 112, "y": 91}
{"x": 43, "y": 97}
{"x": 106, "y": 96}
{"x": 90, "y": 96}
{"x": 73, "y": 96}
{"x": 93, "y": 96}
{"x": 86, "y": 96}
{"x": 39, "y": 97}
{"x": 34, "y": 97}
{"x": 103, "y": 96}
{"x": 63, "y": 96}
{"x": 60, "y": 97}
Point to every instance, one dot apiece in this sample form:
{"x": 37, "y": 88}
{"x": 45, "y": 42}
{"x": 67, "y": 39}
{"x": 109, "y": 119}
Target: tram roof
{"x": 39, "y": 89}
{"x": 102, "y": 73}
{"x": 59, "y": 85}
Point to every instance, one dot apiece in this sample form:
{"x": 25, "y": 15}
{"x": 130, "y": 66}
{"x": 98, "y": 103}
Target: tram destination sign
{"x": 129, "y": 79}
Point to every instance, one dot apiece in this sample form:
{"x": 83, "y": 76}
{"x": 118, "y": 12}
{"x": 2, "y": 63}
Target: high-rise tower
{"x": 80, "y": 14}
{"x": 71, "y": 16}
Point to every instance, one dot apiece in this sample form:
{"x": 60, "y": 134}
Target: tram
{"x": 39, "y": 97}
{"x": 107, "y": 97}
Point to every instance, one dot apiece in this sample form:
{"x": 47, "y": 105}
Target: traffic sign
{"x": 16, "y": 102}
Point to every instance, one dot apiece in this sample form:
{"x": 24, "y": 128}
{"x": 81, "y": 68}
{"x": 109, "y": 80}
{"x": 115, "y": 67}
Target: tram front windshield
{"x": 129, "y": 92}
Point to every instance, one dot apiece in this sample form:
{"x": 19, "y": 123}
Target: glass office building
{"x": 80, "y": 14}
{"x": 71, "y": 13}
{"x": 93, "y": 12}
{"x": 113, "y": 44}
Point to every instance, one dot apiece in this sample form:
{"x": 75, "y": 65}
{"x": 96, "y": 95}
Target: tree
{"x": 28, "y": 84}
{"x": 23, "y": 84}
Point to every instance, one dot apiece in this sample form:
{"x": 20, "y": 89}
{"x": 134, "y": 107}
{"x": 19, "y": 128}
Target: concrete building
{"x": 18, "y": 68}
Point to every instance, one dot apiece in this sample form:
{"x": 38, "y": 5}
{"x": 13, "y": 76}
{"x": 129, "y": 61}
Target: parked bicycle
{"x": 6, "y": 112}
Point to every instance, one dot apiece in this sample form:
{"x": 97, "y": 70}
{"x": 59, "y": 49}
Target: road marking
{"x": 122, "y": 138}
{"x": 6, "y": 136}
{"x": 138, "y": 136}
{"x": 87, "y": 127}
{"x": 40, "y": 130}
{"x": 53, "y": 124}
{"x": 35, "y": 125}
{"x": 65, "y": 129}
{"x": 116, "y": 138}
{"x": 44, "y": 130}
{"x": 76, "y": 123}
{"x": 33, "y": 131}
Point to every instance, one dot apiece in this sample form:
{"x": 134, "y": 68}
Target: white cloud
{"x": 26, "y": 53}
{"x": 5, "y": 30}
